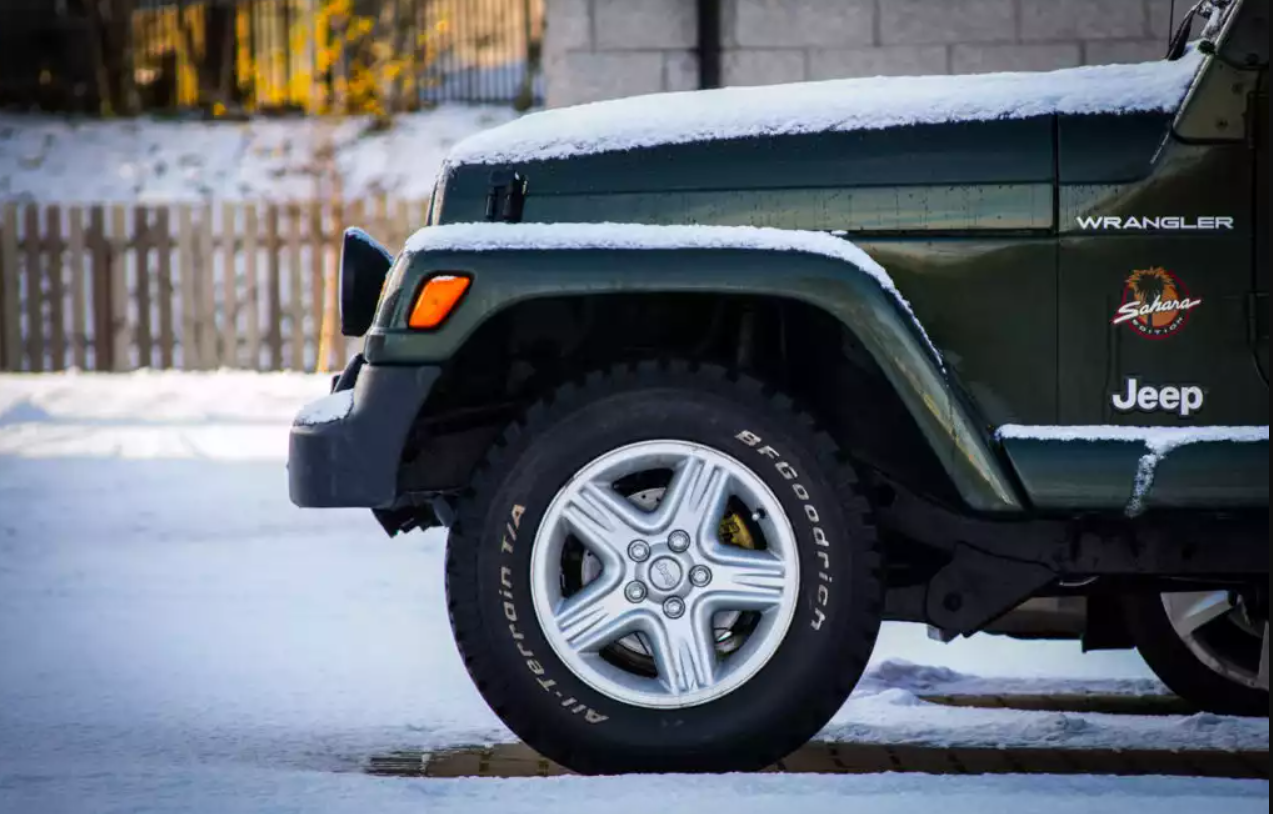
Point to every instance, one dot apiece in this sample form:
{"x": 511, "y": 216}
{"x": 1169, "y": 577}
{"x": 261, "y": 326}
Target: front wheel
{"x": 664, "y": 569}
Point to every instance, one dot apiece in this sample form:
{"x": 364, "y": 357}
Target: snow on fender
{"x": 480, "y": 237}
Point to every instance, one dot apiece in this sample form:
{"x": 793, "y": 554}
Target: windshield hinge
{"x": 506, "y": 198}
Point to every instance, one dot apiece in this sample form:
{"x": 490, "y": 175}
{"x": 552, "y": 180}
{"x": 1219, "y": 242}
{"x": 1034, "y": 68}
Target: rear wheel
{"x": 664, "y": 569}
{"x": 1208, "y": 647}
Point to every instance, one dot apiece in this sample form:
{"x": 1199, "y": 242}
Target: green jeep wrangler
{"x": 707, "y": 385}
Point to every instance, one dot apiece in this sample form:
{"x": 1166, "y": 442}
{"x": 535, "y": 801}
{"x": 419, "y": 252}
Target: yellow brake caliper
{"x": 733, "y": 531}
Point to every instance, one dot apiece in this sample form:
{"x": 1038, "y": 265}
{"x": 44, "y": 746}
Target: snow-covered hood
{"x": 825, "y": 107}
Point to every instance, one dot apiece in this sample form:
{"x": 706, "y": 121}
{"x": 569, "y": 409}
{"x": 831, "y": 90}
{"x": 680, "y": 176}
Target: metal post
{"x": 709, "y": 55}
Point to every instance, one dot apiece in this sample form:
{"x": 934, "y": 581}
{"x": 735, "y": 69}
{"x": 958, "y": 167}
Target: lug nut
{"x": 639, "y": 551}
{"x": 700, "y": 576}
{"x": 673, "y": 608}
{"x": 678, "y": 541}
{"x": 635, "y": 591}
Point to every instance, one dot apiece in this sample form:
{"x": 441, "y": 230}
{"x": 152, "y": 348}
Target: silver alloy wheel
{"x": 1194, "y": 616}
{"x": 652, "y": 564}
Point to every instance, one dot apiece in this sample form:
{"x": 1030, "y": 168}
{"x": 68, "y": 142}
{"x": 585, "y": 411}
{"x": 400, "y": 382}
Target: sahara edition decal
{"x": 1169, "y": 223}
{"x": 1155, "y": 304}
{"x": 1181, "y": 400}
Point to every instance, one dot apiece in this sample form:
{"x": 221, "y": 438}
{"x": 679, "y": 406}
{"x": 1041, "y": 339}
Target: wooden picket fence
{"x": 189, "y": 286}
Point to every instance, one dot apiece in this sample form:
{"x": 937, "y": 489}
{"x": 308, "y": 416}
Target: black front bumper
{"x": 351, "y": 460}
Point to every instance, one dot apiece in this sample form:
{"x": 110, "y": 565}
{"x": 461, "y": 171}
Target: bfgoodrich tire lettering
{"x": 489, "y": 555}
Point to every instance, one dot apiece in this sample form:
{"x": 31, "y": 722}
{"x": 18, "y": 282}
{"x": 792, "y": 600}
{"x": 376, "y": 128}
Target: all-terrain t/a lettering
{"x": 533, "y": 664}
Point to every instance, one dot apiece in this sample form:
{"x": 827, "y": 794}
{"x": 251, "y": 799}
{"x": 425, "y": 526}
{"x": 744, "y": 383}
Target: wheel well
{"x": 528, "y": 349}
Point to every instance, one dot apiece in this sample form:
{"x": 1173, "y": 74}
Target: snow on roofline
{"x": 480, "y": 237}
{"x": 838, "y": 105}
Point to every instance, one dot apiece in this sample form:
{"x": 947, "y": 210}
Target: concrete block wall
{"x": 604, "y": 49}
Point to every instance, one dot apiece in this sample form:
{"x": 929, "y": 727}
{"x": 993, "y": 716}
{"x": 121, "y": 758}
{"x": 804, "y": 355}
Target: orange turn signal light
{"x": 436, "y": 300}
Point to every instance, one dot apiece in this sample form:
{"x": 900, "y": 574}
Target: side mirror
{"x": 364, "y": 264}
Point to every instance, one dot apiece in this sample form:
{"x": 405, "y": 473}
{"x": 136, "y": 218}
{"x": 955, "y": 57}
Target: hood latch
{"x": 507, "y": 197}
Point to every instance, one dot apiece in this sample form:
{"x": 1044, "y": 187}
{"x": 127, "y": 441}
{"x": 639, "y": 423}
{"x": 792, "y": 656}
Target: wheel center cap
{"x": 666, "y": 573}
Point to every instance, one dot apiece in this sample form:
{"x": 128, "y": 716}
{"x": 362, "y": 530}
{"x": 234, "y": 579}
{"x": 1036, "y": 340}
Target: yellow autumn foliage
{"x": 325, "y": 56}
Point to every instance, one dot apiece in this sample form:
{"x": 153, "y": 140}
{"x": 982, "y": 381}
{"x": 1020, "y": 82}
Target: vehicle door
{"x": 1157, "y": 242}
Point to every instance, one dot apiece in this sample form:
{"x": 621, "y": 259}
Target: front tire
{"x": 664, "y": 569}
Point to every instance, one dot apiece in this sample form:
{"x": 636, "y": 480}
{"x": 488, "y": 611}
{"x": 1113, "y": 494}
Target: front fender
{"x": 507, "y": 272}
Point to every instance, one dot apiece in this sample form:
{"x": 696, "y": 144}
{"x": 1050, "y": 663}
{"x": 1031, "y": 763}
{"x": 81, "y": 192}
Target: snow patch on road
{"x": 898, "y": 716}
{"x": 925, "y": 679}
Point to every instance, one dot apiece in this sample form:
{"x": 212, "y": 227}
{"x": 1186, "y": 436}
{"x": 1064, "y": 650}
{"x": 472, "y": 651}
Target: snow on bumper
{"x": 345, "y": 447}
{"x": 335, "y": 407}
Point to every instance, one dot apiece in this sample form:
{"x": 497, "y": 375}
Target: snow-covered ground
{"x": 54, "y": 159}
{"x": 176, "y": 636}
